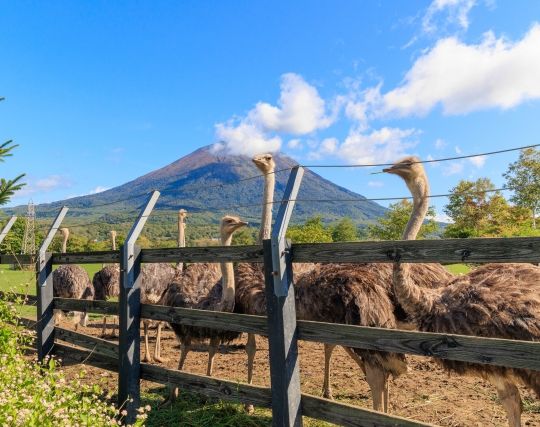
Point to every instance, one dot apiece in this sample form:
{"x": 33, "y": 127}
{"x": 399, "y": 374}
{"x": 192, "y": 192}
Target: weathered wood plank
{"x": 27, "y": 299}
{"x": 206, "y": 318}
{"x": 516, "y": 249}
{"x": 89, "y": 358}
{"x": 281, "y": 314}
{"x": 96, "y": 345}
{"x": 90, "y": 306}
{"x": 98, "y": 257}
{"x": 252, "y": 253}
{"x": 44, "y": 292}
{"x": 351, "y": 416}
{"x": 209, "y": 386}
{"x": 502, "y": 352}
{"x": 18, "y": 259}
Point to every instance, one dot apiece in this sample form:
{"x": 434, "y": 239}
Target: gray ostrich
{"x": 71, "y": 281}
{"x": 198, "y": 288}
{"x": 495, "y": 301}
{"x": 107, "y": 285}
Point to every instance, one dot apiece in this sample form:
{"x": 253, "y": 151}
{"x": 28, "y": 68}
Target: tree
{"x": 478, "y": 211}
{"x": 313, "y": 231}
{"x": 523, "y": 178}
{"x": 8, "y": 187}
{"x": 344, "y": 231}
{"x": 394, "y": 221}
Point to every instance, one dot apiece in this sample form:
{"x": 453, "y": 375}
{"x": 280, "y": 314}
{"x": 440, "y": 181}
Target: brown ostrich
{"x": 71, "y": 281}
{"x": 495, "y": 300}
{"x": 107, "y": 285}
{"x": 194, "y": 289}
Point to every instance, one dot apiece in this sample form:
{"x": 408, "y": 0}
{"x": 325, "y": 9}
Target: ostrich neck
{"x": 227, "y": 279}
{"x": 414, "y": 299}
{"x": 64, "y": 244}
{"x": 181, "y": 233}
{"x": 268, "y": 198}
{"x": 113, "y": 243}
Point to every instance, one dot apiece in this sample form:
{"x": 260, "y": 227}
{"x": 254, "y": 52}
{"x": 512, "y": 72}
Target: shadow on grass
{"x": 199, "y": 411}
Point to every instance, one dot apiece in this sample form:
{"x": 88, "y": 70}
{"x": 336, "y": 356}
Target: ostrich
{"x": 495, "y": 301}
{"x": 107, "y": 284}
{"x": 71, "y": 281}
{"x": 182, "y": 214}
{"x": 197, "y": 288}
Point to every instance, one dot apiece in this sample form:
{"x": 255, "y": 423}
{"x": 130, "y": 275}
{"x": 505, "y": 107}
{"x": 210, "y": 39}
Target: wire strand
{"x": 444, "y": 159}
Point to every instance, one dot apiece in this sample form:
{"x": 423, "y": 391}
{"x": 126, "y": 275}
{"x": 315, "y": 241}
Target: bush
{"x": 34, "y": 394}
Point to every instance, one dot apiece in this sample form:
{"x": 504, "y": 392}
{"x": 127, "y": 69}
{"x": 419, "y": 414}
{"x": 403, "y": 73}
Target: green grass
{"x": 458, "y": 268}
{"x": 24, "y": 282}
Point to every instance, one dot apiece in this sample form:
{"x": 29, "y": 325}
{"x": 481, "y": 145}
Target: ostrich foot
{"x": 160, "y": 359}
{"x": 147, "y": 358}
{"x": 170, "y": 399}
{"x": 327, "y": 394}
{"x": 249, "y": 408}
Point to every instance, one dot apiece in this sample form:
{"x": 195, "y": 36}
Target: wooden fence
{"x": 284, "y": 397}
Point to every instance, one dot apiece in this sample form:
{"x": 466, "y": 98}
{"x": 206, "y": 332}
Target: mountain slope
{"x": 215, "y": 183}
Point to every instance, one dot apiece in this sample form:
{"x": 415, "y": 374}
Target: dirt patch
{"x": 426, "y": 393}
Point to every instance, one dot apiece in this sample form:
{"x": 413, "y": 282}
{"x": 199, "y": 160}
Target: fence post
{"x": 7, "y": 227}
{"x": 281, "y": 313}
{"x": 129, "y": 367}
{"x": 44, "y": 291}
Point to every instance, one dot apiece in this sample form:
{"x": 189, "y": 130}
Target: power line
{"x": 444, "y": 159}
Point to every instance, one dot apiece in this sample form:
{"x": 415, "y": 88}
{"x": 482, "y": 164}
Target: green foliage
{"x": 313, "y": 231}
{"x": 523, "y": 177}
{"x": 344, "y": 231}
{"x": 245, "y": 236}
{"x": 393, "y": 223}
{"x": 8, "y": 187}
{"x": 476, "y": 211}
{"x": 33, "y": 394}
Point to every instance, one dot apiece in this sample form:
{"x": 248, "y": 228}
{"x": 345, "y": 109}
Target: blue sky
{"x": 98, "y": 93}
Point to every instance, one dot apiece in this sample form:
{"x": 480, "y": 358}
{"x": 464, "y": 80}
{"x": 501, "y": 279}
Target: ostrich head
{"x": 182, "y": 214}
{"x": 229, "y": 224}
{"x": 412, "y": 172}
{"x": 265, "y": 162}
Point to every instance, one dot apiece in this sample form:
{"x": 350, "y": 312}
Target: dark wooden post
{"x": 129, "y": 363}
{"x": 282, "y": 331}
{"x": 44, "y": 292}
{"x": 7, "y": 227}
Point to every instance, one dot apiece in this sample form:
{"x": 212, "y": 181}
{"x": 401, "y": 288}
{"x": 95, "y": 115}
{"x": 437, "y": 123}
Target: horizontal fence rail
{"x": 492, "y": 351}
{"x": 312, "y": 406}
{"x": 445, "y": 251}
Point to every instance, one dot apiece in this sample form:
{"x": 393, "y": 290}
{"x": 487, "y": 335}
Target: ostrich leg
{"x": 376, "y": 378}
{"x": 251, "y": 350}
{"x": 327, "y": 389}
{"x": 147, "y": 357}
{"x": 212, "y": 350}
{"x": 509, "y": 397}
{"x": 185, "y": 347}
{"x": 104, "y": 329}
{"x": 157, "y": 349}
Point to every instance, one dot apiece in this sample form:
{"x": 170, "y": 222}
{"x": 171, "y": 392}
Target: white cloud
{"x": 453, "y": 168}
{"x": 98, "y": 189}
{"x": 245, "y": 139}
{"x": 380, "y": 146}
{"x": 299, "y": 111}
{"x": 478, "y": 161}
{"x": 441, "y": 13}
{"x": 375, "y": 184}
{"x": 329, "y": 146}
{"x": 457, "y": 150}
{"x": 295, "y": 144}
{"x": 44, "y": 185}
{"x": 462, "y": 78}
{"x": 442, "y": 218}
{"x": 440, "y": 144}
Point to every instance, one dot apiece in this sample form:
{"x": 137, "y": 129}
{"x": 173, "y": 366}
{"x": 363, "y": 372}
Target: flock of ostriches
{"x": 495, "y": 300}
